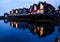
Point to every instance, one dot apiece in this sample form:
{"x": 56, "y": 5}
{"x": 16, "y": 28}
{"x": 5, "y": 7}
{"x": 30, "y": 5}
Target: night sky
{"x": 7, "y": 5}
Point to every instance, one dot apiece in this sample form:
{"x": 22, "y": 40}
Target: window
{"x": 35, "y": 8}
{"x": 16, "y": 11}
{"x": 41, "y": 6}
{"x": 40, "y": 11}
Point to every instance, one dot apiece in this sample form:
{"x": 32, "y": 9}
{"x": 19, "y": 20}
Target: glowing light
{"x": 16, "y": 25}
{"x": 16, "y": 11}
{"x": 38, "y": 11}
{"x": 41, "y": 6}
{"x": 42, "y": 11}
{"x": 35, "y": 8}
{"x": 34, "y": 30}
{"x": 41, "y": 31}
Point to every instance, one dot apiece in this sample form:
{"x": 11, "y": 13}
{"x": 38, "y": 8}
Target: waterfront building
{"x": 45, "y": 8}
{"x": 25, "y": 10}
{"x": 14, "y": 11}
{"x": 42, "y": 8}
{"x": 30, "y": 9}
{"x": 20, "y": 11}
{"x": 34, "y": 8}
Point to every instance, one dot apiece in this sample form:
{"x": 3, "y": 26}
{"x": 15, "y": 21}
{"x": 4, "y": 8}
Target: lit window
{"x": 41, "y": 6}
{"x": 38, "y": 11}
{"x": 41, "y": 11}
{"x": 35, "y": 8}
{"x": 16, "y": 11}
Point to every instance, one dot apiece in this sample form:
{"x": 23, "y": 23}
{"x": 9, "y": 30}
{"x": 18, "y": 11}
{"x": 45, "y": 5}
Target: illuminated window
{"x": 41, "y": 6}
{"x": 35, "y": 8}
{"x": 16, "y": 11}
{"x": 38, "y": 11}
{"x": 42, "y": 11}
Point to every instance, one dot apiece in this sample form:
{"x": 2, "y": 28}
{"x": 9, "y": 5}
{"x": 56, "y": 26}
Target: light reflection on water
{"x": 28, "y": 32}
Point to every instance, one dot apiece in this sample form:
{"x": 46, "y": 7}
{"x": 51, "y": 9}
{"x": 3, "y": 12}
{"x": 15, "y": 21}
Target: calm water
{"x": 28, "y": 32}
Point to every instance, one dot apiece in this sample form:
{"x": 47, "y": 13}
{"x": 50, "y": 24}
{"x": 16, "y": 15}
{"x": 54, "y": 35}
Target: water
{"x": 17, "y": 31}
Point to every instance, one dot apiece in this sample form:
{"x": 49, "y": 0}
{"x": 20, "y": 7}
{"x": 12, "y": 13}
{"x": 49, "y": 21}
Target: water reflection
{"x": 40, "y": 30}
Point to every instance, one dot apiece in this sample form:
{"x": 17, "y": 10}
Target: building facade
{"x": 43, "y": 8}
